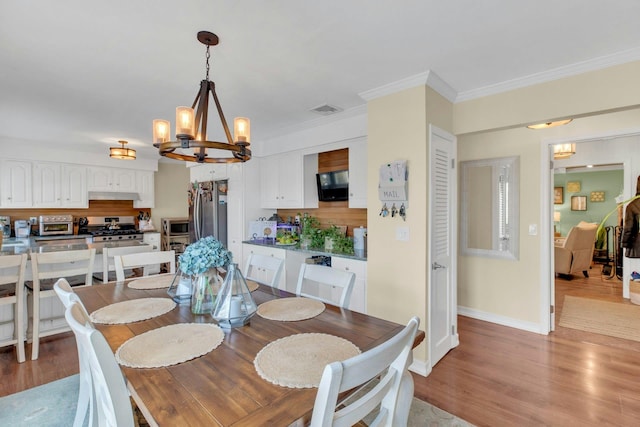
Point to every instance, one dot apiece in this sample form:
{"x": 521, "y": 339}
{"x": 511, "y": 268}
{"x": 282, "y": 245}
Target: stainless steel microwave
{"x": 175, "y": 226}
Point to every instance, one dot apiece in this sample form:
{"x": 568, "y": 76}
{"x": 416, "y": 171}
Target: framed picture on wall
{"x": 578, "y": 203}
{"x": 558, "y": 195}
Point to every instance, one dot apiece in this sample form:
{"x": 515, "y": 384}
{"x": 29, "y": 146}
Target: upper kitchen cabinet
{"x": 59, "y": 185}
{"x": 288, "y": 181}
{"x": 209, "y": 172}
{"x": 15, "y": 184}
{"x": 112, "y": 179}
{"x": 145, "y": 188}
{"x": 358, "y": 175}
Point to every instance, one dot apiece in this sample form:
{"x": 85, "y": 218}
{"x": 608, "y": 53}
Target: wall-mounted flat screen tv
{"x": 333, "y": 186}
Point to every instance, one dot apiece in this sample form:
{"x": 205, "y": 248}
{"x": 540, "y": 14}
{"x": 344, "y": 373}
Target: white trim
{"x": 603, "y": 136}
{"x": 553, "y": 74}
{"x": 428, "y": 78}
{"x": 421, "y": 367}
{"x": 501, "y": 320}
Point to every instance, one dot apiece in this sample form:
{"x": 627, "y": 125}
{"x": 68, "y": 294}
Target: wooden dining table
{"x": 222, "y": 387}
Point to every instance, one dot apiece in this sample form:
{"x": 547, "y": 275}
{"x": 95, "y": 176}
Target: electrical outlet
{"x": 33, "y": 220}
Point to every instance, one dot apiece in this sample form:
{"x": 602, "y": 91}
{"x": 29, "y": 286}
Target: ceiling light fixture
{"x": 549, "y": 124}
{"x": 122, "y": 152}
{"x": 563, "y": 151}
{"x": 191, "y": 125}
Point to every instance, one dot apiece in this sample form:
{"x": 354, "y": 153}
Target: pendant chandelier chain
{"x": 208, "y": 56}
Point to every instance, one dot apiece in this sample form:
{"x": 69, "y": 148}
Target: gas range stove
{"x": 111, "y": 228}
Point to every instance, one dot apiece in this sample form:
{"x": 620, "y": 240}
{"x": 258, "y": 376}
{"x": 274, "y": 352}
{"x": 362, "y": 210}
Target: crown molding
{"x": 594, "y": 64}
{"x": 428, "y": 78}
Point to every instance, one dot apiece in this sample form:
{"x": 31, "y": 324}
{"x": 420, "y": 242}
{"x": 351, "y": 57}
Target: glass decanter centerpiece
{"x": 234, "y": 305}
{"x": 198, "y": 274}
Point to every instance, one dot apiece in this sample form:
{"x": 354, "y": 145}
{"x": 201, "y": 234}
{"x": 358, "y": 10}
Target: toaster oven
{"x": 55, "y": 225}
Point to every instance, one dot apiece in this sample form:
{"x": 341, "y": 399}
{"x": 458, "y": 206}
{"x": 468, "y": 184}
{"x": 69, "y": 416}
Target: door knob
{"x": 436, "y": 266}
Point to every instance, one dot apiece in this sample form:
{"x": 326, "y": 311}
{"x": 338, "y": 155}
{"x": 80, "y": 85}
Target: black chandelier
{"x": 191, "y": 125}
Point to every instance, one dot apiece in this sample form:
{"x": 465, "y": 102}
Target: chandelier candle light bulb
{"x": 161, "y": 131}
{"x": 184, "y": 122}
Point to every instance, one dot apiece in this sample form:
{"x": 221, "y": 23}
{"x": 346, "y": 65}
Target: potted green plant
{"x": 310, "y": 233}
{"x": 336, "y": 241}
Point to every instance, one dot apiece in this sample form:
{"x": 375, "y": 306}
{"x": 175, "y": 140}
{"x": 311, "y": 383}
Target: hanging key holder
{"x": 384, "y": 212}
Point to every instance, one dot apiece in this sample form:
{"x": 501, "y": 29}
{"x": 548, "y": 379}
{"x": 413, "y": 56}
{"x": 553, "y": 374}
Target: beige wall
{"x": 396, "y": 270}
{"x": 171, "y": 184}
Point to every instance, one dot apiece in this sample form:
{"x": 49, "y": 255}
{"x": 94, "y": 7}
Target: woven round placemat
{"x": 133, "y": 310}
{"x": 158, "y": 281}
{"x": 297, "y": 361}
{"x": 290, "y": 309}
{"x": 169, "y": 345}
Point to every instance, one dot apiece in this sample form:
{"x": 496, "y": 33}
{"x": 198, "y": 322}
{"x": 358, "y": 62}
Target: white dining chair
{"x": 390, "y": 396}
{"x": 12, "y": 292}
{"x": 326, "y": 284}
{"x": 264, "y": 269}
{"x": 108, "y": 264}
{"x": 112, "y": 405}
{"x": 85, "y": 394}
{"x": 54, "y": 265}
{"x": 144, "y": 260}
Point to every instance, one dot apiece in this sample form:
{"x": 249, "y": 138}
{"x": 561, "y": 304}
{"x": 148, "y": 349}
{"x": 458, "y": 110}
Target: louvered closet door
{"x": 443, "y": 334}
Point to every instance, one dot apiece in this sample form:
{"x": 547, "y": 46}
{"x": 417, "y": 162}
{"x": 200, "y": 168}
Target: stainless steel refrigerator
{"x": 208, "y": 210}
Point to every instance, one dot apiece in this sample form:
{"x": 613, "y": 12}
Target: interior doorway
{"x": 610, "y": 150}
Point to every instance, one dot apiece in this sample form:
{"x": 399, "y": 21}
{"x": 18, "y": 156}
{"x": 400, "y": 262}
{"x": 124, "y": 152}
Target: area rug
{"x": 424, "y": 414}
{"x": 52, "y": 404}
{"x": 614, "y": 319}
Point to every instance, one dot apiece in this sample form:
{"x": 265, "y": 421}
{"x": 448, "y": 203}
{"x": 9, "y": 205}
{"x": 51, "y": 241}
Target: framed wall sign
{"x": 558, "y": 195}
{"x": 578, "y": 203}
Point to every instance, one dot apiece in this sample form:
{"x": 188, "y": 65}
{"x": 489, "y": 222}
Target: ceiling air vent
{"x": 326, "y": 109}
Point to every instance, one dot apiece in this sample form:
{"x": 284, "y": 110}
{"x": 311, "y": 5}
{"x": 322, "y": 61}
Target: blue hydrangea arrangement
{"x": 203, "y": 255}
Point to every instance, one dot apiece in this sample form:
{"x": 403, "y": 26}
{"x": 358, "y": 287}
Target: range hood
{"x": 112, "y": 195}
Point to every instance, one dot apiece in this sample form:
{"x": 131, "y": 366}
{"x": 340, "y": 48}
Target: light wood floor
{"x": 500, "y": 376}
{"x": 497, "y": 376}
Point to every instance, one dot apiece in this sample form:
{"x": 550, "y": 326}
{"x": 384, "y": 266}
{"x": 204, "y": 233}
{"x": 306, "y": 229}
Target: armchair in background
{"x": 575, "y": 253}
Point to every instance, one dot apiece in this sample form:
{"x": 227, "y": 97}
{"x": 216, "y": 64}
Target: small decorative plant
{"x": 203, "y": 255}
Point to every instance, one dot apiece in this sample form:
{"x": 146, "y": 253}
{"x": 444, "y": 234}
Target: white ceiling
{"x": 89, "y": 73}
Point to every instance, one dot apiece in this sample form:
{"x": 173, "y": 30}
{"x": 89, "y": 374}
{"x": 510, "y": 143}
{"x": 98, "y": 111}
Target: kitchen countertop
{"x": 312, "y": 251}
{"x": 15, "y": 246}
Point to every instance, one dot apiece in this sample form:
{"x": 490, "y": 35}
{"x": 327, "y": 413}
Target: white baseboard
{"x": 420, "y": 367}
{"x": 500, "y": 320}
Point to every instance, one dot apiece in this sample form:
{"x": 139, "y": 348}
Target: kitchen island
{"x": 52, "y": 309}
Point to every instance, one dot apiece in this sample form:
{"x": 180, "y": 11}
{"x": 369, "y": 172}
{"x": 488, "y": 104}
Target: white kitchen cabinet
{"x": 46, "y": 185}
{"x": 112, "y": 179}
{"x": 74, "y": 186}
{"x": 358, "y": 300}
{"x": 267, "y": 251}
{"x": 358, "y": 175}
{"x": 59, "y": 185}
{"x": 16, "y": 184}
{"x": 209, "y": 172}
{"x": 288, "y": 181}
{"x": 145, "y": 188}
